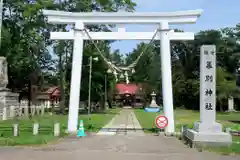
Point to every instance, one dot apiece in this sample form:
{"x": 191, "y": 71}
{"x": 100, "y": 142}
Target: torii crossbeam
{"x": 121, "y": 35}
{"x": 78, "y": 35}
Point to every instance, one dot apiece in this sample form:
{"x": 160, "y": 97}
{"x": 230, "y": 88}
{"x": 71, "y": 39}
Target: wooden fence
{"x": 19, "y": 111}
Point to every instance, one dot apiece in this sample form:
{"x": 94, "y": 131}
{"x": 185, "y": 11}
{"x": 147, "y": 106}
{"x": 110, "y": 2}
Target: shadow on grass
{"x": 238, "y": 122}
{"x": 152, "y": 130}
{"x": 85, "y": 112}
{"x": 26, "y": 138}
{"x": 100, "y": 112}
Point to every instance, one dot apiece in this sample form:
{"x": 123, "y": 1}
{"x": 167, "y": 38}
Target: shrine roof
{"x": 124, "y": 88}
{"x": 51, "y": 89}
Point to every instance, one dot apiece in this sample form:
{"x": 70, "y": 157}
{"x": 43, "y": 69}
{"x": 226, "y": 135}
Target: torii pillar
{"x": 166, "y": 76}
{"x": 75, "y": 78}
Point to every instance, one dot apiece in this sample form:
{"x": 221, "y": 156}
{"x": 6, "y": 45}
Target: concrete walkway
{"x": 125, "y": 123}
{"x": 118, "y": 147}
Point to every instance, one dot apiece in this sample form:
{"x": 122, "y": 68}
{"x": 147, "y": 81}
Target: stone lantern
{"x": 153, "y": 102}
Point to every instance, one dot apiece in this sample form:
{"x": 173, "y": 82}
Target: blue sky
{"x": 217, "y": 14}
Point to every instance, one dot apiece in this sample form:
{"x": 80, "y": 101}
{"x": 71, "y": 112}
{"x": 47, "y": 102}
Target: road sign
{"x": 155, "y": 109}
{"x": 161, "y": 122}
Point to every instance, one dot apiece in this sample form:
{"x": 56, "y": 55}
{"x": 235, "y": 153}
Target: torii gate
{"x": 78, "y": 35}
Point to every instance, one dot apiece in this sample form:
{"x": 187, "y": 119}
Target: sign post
{"x": 161, "y": 122}
{"x": 208, "y": 130}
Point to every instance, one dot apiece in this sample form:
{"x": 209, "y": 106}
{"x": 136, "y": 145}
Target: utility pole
{"x": 90, "y": 83}
{"x": 105, "y": 80}
{"x": 1, "y": 15}
{"x": 89, "y": 86}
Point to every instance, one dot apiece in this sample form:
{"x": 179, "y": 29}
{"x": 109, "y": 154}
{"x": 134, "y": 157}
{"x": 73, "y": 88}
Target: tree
{"x": 185, "y": 66}
{"x": 24, "y": 42}
{"x": 226, "y": 87}
{"x": 99, "y": 68}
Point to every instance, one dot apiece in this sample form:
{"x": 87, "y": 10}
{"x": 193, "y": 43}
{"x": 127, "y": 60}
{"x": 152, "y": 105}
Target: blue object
{"x": 81, "y": 132}
{"x": 156, "y": 109}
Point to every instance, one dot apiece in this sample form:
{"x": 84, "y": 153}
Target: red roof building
{"x": 129, "y": 95}
{"x": 124, "y": 88}
{"x": 53, "y": 91}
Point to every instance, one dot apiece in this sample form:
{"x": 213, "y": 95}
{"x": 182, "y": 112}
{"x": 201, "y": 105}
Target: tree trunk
{"x": 29, "y": 96}
{"x": 61, "y": 81}
{"x": 102, "y": 103}
{"x": 52, "y": 106}
{"x": 220, "y": 106}
{"x": 109, "y": 103}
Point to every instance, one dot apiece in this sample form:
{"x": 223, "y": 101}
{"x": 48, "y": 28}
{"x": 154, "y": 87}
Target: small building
{"x": 49, "y": 96}
{"x": 129, "y": 95}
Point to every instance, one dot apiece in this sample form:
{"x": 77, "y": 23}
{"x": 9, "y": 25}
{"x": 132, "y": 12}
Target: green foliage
{"x": 185, "y": 67}
{"x": 24, "y": 41}
{"x": 226, "y": 85}
{"x": 34, "y": 59}
{"x": 64, "y": 49}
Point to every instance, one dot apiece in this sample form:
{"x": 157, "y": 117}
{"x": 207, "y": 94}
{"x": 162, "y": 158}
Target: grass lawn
{"x": 147, "y": 121}
{"x": 233, "y": 149}
{"x": 46, "y": 123}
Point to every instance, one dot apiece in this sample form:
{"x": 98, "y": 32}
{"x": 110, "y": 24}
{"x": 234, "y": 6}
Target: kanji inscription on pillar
{"x": 208, "y": 83}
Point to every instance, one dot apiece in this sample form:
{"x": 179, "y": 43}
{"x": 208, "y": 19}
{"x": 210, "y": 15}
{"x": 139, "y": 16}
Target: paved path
{"x": 129, "y": 146}
{"x": 124, "y": 123}
{"x": 117, "y": 147}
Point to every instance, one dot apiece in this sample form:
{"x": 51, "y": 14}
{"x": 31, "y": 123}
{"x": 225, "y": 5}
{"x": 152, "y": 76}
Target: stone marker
{"x": 12, "y": 111}
{"x": 35, "y": 128}
{"x": 33, "y": 110}
{"x": 4, "y": 114}
{"x": 207, "y": 131}
{"x": 15, "y": 130}
{"x": 57, "y": 129}
{"x": 38, "y": 109}
{"x": 7, "y": 98}
{"x": 42, "y": 110}
{"x": 26, "y": 111}
{"x": 228, "y": 130}
{"x": 20, "y": 109}
{"x": 231, "y": 105}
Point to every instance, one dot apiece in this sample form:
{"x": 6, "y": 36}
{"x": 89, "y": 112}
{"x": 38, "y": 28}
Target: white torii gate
{"x": 78, "y": 35}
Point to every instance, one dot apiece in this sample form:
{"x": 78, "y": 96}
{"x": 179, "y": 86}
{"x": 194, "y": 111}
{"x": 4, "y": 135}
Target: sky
{"x": 216, "y": 14}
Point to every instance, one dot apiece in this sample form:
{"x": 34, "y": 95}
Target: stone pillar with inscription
{"x": 207, "y": 130}
{"x": 7, "y": 98}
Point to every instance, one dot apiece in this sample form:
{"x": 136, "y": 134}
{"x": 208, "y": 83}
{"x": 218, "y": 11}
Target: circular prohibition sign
{"x": 161, "y": 122}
